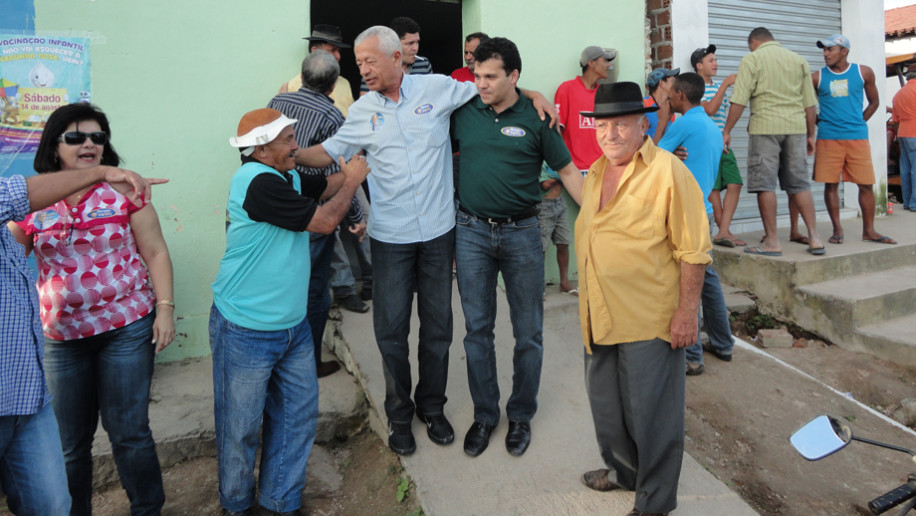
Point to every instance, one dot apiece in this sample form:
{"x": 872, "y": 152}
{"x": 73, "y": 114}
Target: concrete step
{"x": 181, "y": 415}
{"x": 893, "y": 339}
{"x": 856, "y": 301}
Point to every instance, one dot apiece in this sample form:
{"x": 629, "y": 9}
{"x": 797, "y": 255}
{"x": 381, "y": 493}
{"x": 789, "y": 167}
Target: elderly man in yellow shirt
{"x": 642, "y": 245}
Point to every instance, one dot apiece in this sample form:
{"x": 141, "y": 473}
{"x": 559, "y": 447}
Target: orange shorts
{"x": 847, "y": 160}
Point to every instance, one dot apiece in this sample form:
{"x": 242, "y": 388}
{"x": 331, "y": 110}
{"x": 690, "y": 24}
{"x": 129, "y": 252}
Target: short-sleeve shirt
{"x": 571, "y": 98}
{"x": 463, "y": 74}
{"x": 408, "y": 148}
{"x": 721, "y": 114}
{"x": 697, "y": 133}
{"x": 776, "y": 83}
{"x": 90, "y": 275}
{"x": 905, "y": 110}
{"x": 22, "y": 381}
{"x": 500, "y": 157}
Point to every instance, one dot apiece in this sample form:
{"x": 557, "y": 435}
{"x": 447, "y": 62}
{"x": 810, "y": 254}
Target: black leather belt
{"x": 530, "y": 212}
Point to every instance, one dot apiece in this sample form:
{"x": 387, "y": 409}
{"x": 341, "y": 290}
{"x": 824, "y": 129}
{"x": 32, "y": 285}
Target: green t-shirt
{"x": 500, "y": 157}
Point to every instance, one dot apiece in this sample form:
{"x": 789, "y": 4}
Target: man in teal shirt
{"x": 502, "y": 142}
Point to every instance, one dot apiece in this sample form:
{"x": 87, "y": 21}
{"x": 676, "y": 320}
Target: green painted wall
{"x": 176, "y": 76}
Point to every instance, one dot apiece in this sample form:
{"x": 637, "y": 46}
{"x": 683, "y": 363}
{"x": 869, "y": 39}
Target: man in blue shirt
{"x": 263, "y": 356}
{"x": 32, "y": 472}
{"x": 701, "y": 137}
{"x": 403, "y": 126}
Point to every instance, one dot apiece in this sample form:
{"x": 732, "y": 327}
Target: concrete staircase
{"x": 860, "y": 296}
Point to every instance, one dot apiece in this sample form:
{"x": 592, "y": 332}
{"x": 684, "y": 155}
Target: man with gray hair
{"x": 403, "y": 126}
{"x": 318, "y": 120}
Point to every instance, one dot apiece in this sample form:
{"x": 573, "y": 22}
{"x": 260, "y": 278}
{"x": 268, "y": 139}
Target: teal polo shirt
{"x": 500, "y": 157}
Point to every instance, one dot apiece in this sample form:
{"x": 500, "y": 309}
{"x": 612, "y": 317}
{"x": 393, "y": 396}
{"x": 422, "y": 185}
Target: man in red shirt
{"x": 577, "y": 95}
{"x": 471, "y": 42}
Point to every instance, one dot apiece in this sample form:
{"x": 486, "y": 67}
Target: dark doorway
{"x": 441, "y": 39}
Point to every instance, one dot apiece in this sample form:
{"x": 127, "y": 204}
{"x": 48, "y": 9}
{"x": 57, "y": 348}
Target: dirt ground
{"x": 364, "y": 480}
{"x": 740, "y": 415}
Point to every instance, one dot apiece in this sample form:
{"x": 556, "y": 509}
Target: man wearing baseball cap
{"x": 263, "y": 359}
{"x": 659, "y": 85}
{"x": 327, "y": 38}
{"x": 842, "y": 151}
{"x": 715, "y": 102}
{"x": 578, "y": 94}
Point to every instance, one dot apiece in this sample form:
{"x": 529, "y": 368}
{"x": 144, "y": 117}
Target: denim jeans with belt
{"x": 398, "y": 270}
{"x": 269, "y": 376}
{"x": 32, "y": 472}
{"x": 108, "y": 374}
{"x": 482, "y": 250}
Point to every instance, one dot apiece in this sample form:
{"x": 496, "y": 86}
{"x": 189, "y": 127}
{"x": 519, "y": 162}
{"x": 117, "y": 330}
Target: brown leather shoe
{"x": 599, "y": 481}
{"x": 327, "y": 368}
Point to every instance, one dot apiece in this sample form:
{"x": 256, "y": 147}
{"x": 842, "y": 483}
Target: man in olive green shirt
{"x": 777, "y": 84}
{"x": 501, "y": 143}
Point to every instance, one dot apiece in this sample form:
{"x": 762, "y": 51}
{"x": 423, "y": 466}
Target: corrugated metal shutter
{"x": 796, "y": 25}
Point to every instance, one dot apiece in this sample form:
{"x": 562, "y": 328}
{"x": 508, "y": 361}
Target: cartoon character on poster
{"x": 38, "y": 74}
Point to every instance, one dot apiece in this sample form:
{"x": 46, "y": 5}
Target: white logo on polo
{"x": 515, "y": 132}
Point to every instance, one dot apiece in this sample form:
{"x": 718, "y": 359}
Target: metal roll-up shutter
{"x": 796, "y": 25}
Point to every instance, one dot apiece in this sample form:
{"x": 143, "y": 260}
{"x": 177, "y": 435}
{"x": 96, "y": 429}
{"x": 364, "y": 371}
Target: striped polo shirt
{"x": 776, "y": 83}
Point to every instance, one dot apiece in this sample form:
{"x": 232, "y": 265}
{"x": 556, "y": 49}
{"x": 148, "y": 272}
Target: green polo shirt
{"x": 776, "y": 82}
{"x": 500, "y": 157}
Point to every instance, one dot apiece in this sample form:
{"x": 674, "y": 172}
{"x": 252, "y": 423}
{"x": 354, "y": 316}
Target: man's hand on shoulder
{"x": 730, "y": 80}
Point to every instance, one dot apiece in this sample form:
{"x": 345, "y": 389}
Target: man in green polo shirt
{"x": 502, "y": 143}
{"x": 776, "y": 82}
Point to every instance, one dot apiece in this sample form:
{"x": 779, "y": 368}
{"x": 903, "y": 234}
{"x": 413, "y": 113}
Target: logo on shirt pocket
{"x": 515, "y": 132}
{"x": 101, "y": 213}
{"x": 422, "y": 110}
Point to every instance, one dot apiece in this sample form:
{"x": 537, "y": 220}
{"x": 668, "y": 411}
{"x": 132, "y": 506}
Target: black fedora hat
{"x": 617, "y": 99}
{"x": 327, "y": 34}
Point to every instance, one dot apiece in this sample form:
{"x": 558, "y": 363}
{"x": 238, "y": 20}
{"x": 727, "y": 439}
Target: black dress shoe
{"x": 400, "y": 439}
{"x": 477, "y": 438}
{"x": 438, "y": 428}
{"x": 519, "y": 437}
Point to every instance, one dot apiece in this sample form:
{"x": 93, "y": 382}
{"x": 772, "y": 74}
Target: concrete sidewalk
{"x": 544, "y": 481}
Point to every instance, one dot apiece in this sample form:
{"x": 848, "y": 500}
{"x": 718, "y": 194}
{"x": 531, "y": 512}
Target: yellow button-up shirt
{"x": 629, "y": 253}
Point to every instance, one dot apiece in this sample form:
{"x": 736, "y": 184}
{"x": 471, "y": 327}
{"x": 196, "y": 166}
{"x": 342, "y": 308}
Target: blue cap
{"x": 832, "y": 41}
{"x": 656, "y": 76}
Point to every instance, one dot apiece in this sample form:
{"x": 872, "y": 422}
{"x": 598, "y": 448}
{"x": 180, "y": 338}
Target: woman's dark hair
{"x": 46, "y": 159}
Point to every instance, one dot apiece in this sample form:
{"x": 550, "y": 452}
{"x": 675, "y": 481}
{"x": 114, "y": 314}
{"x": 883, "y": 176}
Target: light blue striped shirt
{"x": 408, "y": 148}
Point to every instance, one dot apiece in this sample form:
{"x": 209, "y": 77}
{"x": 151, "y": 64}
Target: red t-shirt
{"x": 463, "y": 75}
{"x": 578, "y": 131}
{"x": 90, "y": 276}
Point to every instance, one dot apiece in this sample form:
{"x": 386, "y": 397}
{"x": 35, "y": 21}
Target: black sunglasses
{"x": 78, "y": 137}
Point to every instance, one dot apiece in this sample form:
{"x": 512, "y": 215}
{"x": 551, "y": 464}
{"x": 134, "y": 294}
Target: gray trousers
{"x": 636, "y": 391}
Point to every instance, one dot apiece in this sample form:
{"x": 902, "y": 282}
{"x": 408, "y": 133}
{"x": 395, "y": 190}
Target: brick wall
{"x": 658, "y": 13}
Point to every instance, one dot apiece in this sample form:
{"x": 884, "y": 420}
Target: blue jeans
{"x": 107, "y": 375}
{"x": 342, "y": 280}
{"x": 321, "y": 248}
{"x": 399, "y": 268}
{"x": 482, "y": 250}
{"x": 32, "y": 471}
{"x": 714, "y": 319}
{"x": 269, "y": 376}
{"x": 908, "y": 171}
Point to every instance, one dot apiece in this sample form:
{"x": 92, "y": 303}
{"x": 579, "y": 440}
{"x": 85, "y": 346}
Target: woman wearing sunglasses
{"x": 105, "y": 290}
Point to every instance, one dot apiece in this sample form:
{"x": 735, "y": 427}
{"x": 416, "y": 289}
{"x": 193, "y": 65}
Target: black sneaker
{"x": 438, "y": 428}
{"x": 400, "y": 439}
{"x": 695, "y": 369}
{"x": 353, "y": 303}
